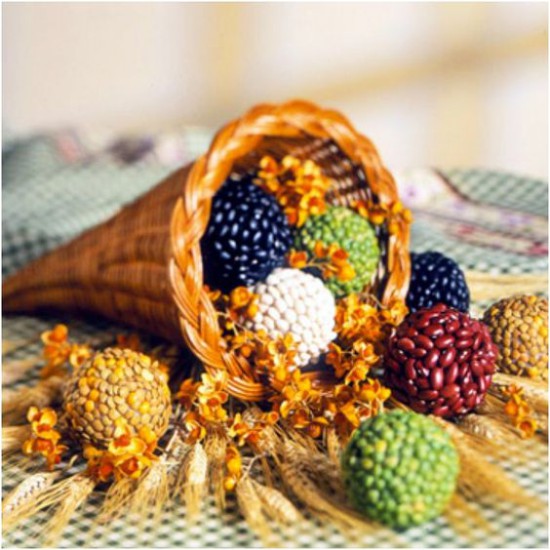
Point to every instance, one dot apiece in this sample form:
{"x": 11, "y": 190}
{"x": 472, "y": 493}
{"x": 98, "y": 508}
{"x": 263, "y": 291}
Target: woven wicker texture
{"x": 119, "y": 269}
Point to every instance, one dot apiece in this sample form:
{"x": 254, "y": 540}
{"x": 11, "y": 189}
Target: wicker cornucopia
{"x": 143, "y": 267}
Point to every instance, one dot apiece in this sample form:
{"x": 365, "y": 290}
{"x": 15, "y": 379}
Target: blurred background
{"x": 447, "y": 85}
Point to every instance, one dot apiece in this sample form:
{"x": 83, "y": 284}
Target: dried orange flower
{"x": 58, "y": 351}
{"x": 299, "y": 186}
{"x": 44, "y": 439}
{"x": 127, "y": 455}
{"x": 377, "y": 214}
{"x": 519, "y": 411}
{"x": 129, "y": 341}
{"x": 233, "y": 466}
{"x": 331, "y": 260}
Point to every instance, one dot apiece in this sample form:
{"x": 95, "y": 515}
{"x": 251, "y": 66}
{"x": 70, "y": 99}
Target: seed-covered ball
{"x": 116, "y": 383}
{"x": 436, "y": 279}
{"x": 247, "y": 236}
{"x": 440, "y": 361}
{"x": 400, "y": 468}
{"x": 291, "y": 301}
{"x": 352, "y": 233}
{"x": 519, "y": 326}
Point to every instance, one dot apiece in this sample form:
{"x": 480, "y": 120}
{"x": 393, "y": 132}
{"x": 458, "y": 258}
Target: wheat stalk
{"x": 215, "y": 447}
{"x": 250, "y": 506}
{"x": 276, "y": 505}
{"x": 14, "y": 370}
{"x": 151, "y": 493}
{"x": 15, "y": 407}
{"x": 116, "y": 499}
{"x": 480, "y": 478}
{"x": 13, "y": 438}
{"x": 192, "y": 481}
{"x": 78, "y": 490}
{"x": 19, "y": 504}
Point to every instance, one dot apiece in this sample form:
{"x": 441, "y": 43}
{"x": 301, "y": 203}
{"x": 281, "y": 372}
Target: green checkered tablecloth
{"x": 57, "y": 185}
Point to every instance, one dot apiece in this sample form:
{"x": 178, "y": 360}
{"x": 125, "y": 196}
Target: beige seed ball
{"x": 299, "y": 304}
{"x": 116, "y": 383}
{"x": 519, "y": 327}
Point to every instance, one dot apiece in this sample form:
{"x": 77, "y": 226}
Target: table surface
{"x": 56, "y": 185}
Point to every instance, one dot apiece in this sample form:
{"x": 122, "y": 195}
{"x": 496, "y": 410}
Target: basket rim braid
{"x": 293, "y": 120}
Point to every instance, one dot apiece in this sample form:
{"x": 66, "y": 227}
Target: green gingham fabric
{"x": 56, "y": 186}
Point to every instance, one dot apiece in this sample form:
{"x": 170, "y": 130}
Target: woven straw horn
{"x": 144, "y": 267}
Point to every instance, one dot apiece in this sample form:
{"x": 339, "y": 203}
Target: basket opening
{"x": 349, "y": 179}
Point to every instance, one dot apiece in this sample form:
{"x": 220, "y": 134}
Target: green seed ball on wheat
{"x": 400, "y": 468}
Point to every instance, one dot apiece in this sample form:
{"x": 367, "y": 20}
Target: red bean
{"x": 411, "y": 332}
{"x": 444, "y": 342}
{"x": 464, "y": 333}
{"x": 392, "y": 364}
{"x": 464, "y": 344}
{"x": 490, "y": 369}
{"x": 470, "y": 401}
{"x": 428, "y": 395}
{"x": 482, "y": 384}
{"x": 434, "y": 331}
{"x": 436, "y": 379}
{"x": 412, "y": 390}
{"x": 464, "y": 355}
{"x": 424, "y": 342}
{"x": 439, "y": 308}
{"x": 419, "y": 407}
{"x": 477, "y": 341}
{"x": 432, "y": 359}
{"x": 451, "y": 373}
{"x": 418, "y": 352}
{"x": 424, "y": 321}
{"x": 452, "y": 326}
{"x": 410, "y": 371}
{"x": 447, "y": 357}
{"x": 441, "y": 411}
{"x": 423, "y": 383}
{"x": 405, "y": 344}
{"x": 400, "y": 396}
{"x": 450, "y": 390}
{"x": 477, "y": 368}
{"x": 458, "y": 406}
{"x": 422, "y": 369}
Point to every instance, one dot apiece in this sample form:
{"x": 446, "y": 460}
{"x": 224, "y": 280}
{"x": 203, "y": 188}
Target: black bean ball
{"x": 436, "y": 279}
{"x": 247, "y": 236}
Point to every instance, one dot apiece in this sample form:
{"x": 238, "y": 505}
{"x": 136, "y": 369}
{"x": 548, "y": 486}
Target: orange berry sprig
{"x": 299, "y": 186}
{"x": 44, "y": 439}
{"x": 520, "y": 412}
{"x": 331, "y": 260}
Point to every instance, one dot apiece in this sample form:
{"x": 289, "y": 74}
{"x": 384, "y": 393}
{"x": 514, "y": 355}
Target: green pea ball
{"x": 400, "y": 468}
{"x": 352, "y": 233}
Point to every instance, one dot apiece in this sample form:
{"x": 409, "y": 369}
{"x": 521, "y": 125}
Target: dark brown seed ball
{"x": 519, "y": 327}
{"x": 117, "y": 384}
{"x": 452, "y": 375}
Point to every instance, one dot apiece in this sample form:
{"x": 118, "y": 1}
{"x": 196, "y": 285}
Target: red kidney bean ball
{"x": 440, "y": 361}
